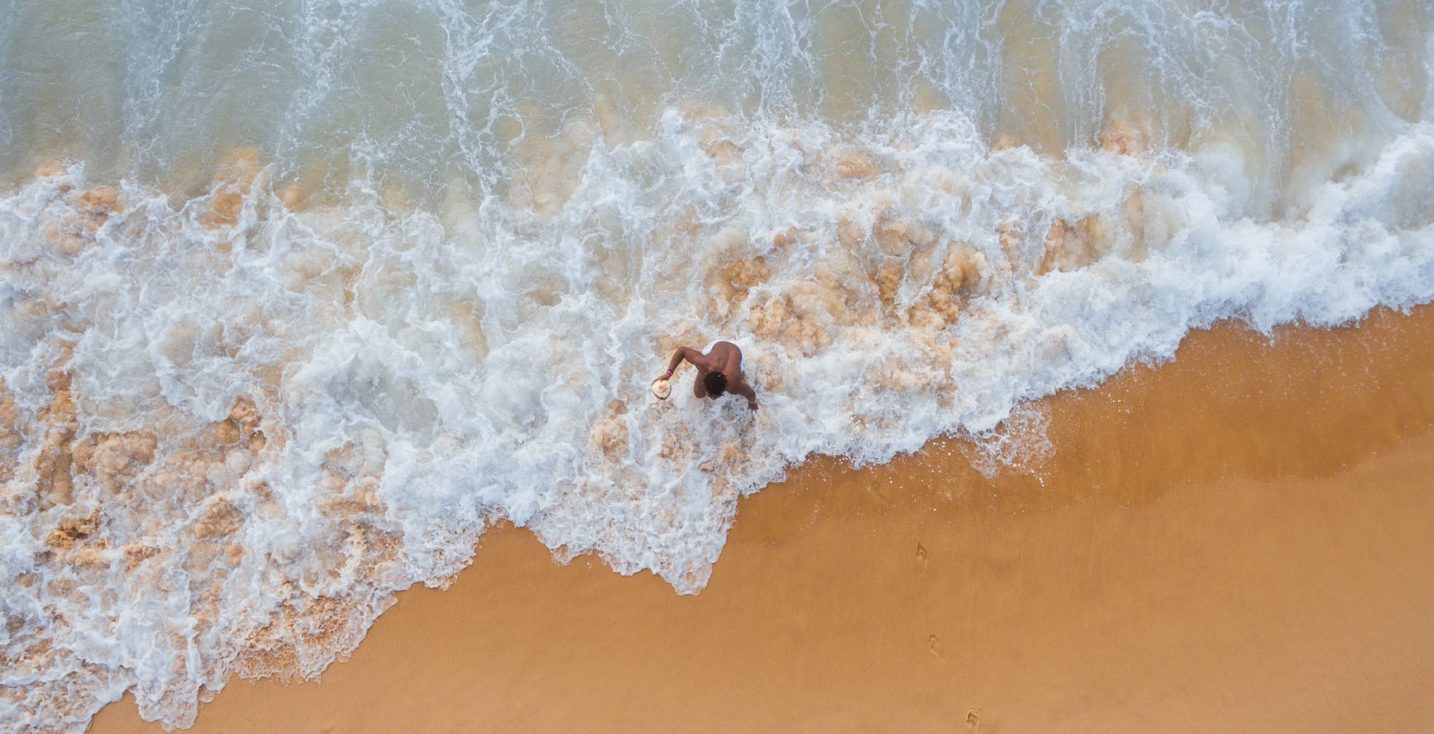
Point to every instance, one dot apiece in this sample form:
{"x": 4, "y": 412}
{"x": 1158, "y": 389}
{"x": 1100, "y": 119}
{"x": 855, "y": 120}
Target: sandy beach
{"x": 1235, "y": 541}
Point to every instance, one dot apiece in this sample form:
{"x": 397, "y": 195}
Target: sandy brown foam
{"x": 1238, "y": 541}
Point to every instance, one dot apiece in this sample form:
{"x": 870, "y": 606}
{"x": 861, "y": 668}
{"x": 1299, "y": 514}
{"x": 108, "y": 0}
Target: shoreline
{"x": 1235, "y": 538}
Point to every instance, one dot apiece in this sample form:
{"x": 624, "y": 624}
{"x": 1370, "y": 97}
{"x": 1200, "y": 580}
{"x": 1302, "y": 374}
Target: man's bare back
{"x": 719, "y": 371}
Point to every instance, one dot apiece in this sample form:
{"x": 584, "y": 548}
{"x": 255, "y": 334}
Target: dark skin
{"x": 725, "y": 358}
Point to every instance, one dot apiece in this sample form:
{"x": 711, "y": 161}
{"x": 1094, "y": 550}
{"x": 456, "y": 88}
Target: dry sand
{"x": 1242, "y": 540}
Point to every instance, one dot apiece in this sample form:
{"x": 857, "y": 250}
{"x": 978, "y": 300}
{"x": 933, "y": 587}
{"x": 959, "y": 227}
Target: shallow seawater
{"x": 297, "y": 298}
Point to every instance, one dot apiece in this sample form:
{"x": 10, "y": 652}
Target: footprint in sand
{"x": 973, "y": 720}
{"x": 933, "y": 643}
{"x": 920, "y": 554}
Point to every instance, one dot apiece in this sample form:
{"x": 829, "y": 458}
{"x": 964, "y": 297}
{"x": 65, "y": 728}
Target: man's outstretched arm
{"x": 747, "y": 392}
{"x": 682, "y": 353}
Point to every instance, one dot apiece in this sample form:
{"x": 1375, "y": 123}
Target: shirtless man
{"x": 719, "y": 370}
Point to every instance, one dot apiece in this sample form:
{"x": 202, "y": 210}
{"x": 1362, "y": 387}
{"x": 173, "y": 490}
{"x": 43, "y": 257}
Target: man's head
{"x": 716, "y": 384}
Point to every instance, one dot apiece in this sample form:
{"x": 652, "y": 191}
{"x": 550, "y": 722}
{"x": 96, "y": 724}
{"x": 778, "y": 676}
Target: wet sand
{"x": 1239, "y": 540}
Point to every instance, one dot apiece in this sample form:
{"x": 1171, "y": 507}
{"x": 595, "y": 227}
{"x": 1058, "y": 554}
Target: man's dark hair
{"x": 716, "y": 383}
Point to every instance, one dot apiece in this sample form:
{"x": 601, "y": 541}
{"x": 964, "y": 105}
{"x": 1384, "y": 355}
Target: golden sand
{"x": 1237, "y": 541}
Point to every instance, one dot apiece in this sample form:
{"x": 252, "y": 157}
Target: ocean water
{"x": 298, "y": 297}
